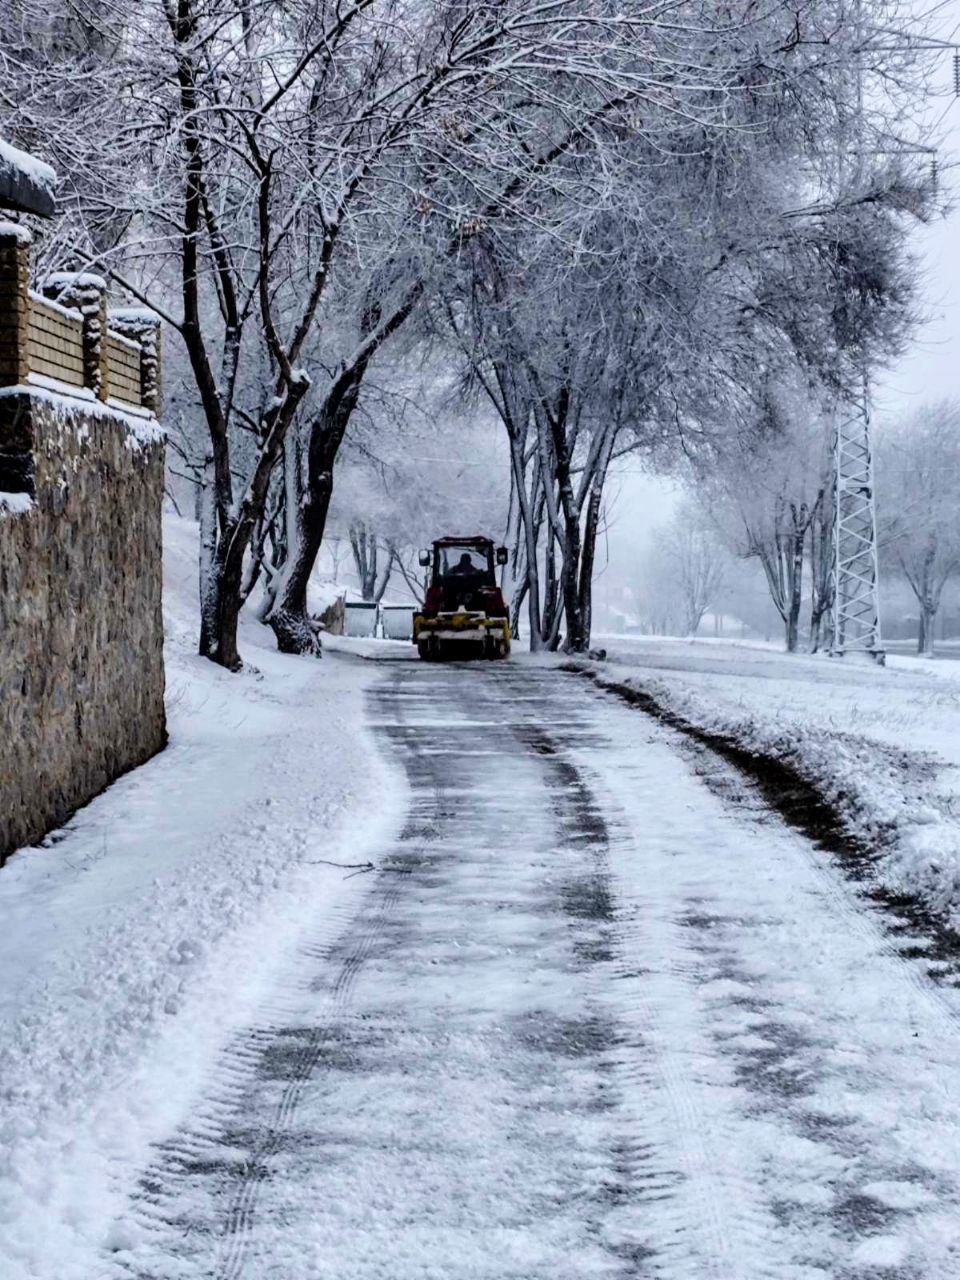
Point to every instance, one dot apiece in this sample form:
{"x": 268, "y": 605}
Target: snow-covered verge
{"x": 881, "y": 744}
{"x": 139, "y": 938}
{"x": 17, "y": 504}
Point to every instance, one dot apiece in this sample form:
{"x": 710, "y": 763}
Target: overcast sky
{"x": 931, "y": 368}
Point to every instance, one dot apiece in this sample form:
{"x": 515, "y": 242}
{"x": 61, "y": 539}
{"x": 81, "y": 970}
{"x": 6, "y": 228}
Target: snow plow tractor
{"x": 463, "y": 614}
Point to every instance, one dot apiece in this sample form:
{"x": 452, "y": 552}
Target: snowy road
{"x": 598, "y": 1014}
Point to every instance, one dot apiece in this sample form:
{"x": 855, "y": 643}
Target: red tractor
{"x": 464, "y": 613}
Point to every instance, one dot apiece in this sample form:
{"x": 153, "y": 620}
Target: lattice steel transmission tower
{"x": 856, "y": 606}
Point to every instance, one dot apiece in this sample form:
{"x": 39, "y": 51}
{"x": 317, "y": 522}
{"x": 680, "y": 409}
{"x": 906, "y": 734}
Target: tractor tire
{"x": 496, "y": 647}
{"x": 424, "y": 649}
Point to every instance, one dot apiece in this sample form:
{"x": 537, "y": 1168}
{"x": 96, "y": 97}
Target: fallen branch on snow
{"x": 357, "y": 868}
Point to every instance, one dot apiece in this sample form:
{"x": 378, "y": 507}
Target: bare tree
{"x": 694, "y": 563}
{"x": 656, "y": 602}
{"x": 294, "y": 136}
{"x": 368, "y": 554}
{"x": 918, "y": 469}
{"x": 769, "y": 494}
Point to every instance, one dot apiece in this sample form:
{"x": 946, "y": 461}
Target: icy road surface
{"x": 597, "y": 1014}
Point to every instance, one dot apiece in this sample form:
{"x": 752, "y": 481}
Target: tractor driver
{"x": 464, "y": 565}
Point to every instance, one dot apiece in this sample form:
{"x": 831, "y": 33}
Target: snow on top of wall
{"x": 17, "y": 230}
{"x": 40, "y": 382}
{"x": 143, "y": 429}
{"x": 16, "y": 504}
{"x": 69, "y": 313}
{"x": 142, "y": 426}
{"x": 123, "y": 340}
{"x": 37, "y": 171}
{"x": 134, "y": 315}
{"x": 78, "y": 279}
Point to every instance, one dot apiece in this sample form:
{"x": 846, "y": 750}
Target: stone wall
{"x": 81, "y": 660}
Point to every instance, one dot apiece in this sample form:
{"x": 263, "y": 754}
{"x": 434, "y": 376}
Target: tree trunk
{"x": 522, "y": 588}
{"x": 792, "y": 632}
{"x": 574, "y": 640}
{"x": 255, "y": 564}
{"x": 820, "y": 614}
{"x": 928, "y": 616}
{"x": 237, "y": 532}
{"x": 816, "y": 616}
{"x": 224, "y": 595}
{"x": 821, "y": 564}
{"x": 527, "y": 525}
{"x": 363, "y": 544}
{"x": 292, "y": 487}
{"x": 588, "y": 557}
{"x": 549, "y": 632}
{"x": 380, "y": 588}
{"x": 290, "y": 621}
{"x": 795, "y": 582}
{"x": 588, "y": 554}
{"x": 282, "y": 531}
{"x": 208, "y": 555}
{"x": 553, "y": 622}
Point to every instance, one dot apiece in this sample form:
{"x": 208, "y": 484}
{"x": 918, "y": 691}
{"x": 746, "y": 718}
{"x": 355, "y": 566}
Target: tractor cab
{"x": 462, "y": 573}
{"x": 463, "y": 608}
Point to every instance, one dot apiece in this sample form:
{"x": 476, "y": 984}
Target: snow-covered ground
{"x": 142, "y": 933}
{"x": 882, "y": 743}
{"x": 595, "y": 1013}
{"x": 599, "y": 1016}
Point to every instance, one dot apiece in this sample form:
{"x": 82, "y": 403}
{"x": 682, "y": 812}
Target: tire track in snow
{"x": 758, "y": 784}
{"x": 344, "y": 946}
{"x": 583, "y": 894}
{"x": 783, "y": 1066}
{"x": 714, "y": 1216}
{"x": 348, "y": 957}
{"x": 841, "y": 881}
{"x": 588, "y": 901}
{"x": 856, "y": 1194}
{"x": 216, "y": 1146}
{"x": 556, "y": 1062}
{"x": 674, "y": 1152}
{"x": 348, "y": 960}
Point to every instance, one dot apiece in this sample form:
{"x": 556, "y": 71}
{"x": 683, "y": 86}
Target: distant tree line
{"x": 772, "y": 504}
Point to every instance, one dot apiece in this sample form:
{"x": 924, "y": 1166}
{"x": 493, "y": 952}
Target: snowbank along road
{"x": 597, "y": 1013}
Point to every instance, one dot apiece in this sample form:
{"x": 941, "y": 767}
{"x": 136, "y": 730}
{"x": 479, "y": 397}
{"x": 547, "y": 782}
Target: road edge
{"x": 814, "y": 805}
